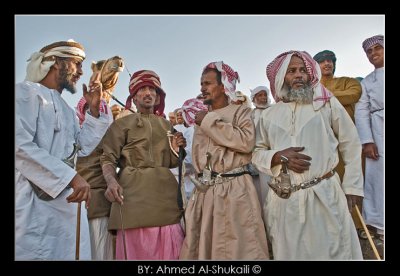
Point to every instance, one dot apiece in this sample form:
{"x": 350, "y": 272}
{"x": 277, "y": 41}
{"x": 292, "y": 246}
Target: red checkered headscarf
{"x": 146, "y": 78}
{"x": 276, "y": 72}
{"x": 82, "y": 107}
{"x": 190, "y": 108}
{"x": 228, "y": 77}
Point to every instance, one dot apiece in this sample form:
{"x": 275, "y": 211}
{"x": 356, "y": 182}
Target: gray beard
{"x": 302, "y": 95}
{"x": 262, "y": 106}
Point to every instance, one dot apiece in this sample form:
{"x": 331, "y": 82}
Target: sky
{"x": 177, "y": 47}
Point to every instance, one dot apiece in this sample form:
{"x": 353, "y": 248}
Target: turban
{"x": 276, "y": 72}
{"x": 369, "y": 42}
{"x": 258, "y": 89}
{"x": 146, "y": 78}
{"x": 190, "y": 108}
{"x": 40, "y": 62}
{"x": 228, "y": 77}
{"x": 82, "y": 106}
{"x": 326, "y": 55}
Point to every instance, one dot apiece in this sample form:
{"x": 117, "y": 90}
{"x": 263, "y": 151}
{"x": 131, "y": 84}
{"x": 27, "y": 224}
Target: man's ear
{"x": 157, "y": 99}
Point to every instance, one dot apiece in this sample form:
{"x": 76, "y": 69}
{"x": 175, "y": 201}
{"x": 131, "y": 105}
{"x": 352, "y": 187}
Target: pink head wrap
{"x": 81, "y": 109}
{"x": 276, "y": 72}
{"x": 228, "y": 77}
{"x": 369, "y": 42}
{"x": 190, "y": 108}
{"x": 146, "y": 78}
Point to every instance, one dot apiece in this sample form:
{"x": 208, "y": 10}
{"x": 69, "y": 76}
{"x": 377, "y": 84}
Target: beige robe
{"x": 314, "y": 223}
{"x": 225, "y": 222}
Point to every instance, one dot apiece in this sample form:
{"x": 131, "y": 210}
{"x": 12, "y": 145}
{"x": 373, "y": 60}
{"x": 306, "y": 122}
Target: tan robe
{"x": 225, "y": 222}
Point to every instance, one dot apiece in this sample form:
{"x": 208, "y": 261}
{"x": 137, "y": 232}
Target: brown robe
{"x": 139, "y": 144}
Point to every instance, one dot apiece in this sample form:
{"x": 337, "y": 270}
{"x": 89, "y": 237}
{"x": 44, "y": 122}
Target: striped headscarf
{"x": 369, "y": 42}
{"x": 228, "y": 77}
{"x": 146, "y": 78}
{"x": 40, "y": 62}
{"x": 276, "y": 72}
{"x": 82, "y": 107}
{"x": 190, "y": 108}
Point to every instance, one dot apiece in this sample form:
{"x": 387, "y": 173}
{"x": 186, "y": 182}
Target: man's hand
{"x": 352, "y": 200}
{"x": 198, "y": 118}
{"x": 297, "y": 162}
{"x": 93, "y": 96}
{"x": 370, "y": 150}
{"x": 114, "y": 191}
{"x": 178, "y": 141}
{"x": 116, "y": 110}
{"x": 81, "y": 190}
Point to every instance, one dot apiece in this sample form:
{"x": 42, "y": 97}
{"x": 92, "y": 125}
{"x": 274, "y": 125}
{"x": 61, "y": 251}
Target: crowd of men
{"x": 219, "y": 180}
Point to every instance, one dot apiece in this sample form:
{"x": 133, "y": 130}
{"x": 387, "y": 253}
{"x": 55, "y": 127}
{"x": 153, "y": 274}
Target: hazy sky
{"x": 177, "y": 47}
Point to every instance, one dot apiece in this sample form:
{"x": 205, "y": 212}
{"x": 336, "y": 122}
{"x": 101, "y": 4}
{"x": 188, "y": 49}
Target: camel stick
{"x": 78, "y": 231}
{"x": 368, "y": 235}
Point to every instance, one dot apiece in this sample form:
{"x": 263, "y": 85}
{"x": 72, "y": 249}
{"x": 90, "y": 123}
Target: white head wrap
{"x": 255, "y": 91}
{"x": 38, "y": 68}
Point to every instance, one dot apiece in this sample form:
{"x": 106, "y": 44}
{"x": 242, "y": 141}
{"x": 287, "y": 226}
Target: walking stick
{"x": 78, "y": 231}
{"x": 123, "y": 231}
{"x": 118, "y": 101}
{"x": 368, "y": 235}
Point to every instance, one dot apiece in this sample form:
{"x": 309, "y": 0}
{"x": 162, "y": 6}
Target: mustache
{"x": 298, "y": 81}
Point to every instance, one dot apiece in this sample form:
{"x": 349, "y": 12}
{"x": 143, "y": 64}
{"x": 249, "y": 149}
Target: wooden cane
{"x": 78, "y": 231}
{"x": 368, "y": 234}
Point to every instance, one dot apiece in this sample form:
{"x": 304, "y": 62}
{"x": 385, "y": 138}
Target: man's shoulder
{"x": 27, "y": 89}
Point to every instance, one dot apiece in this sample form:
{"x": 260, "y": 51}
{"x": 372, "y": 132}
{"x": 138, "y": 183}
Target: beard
{"x": 207, "y": 102}
{"x": 301, "y": 95}
{"x": 263, "y": 106}
{"x": 66, "y": 80}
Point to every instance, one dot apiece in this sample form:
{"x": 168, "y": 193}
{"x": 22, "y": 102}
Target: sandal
{"x": 362, "y": 234}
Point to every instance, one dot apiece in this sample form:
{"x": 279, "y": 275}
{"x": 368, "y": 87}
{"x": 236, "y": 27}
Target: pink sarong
{"x": 151, "y": 243}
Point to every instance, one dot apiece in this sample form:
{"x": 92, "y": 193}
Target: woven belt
{"x": 312, "y": 182}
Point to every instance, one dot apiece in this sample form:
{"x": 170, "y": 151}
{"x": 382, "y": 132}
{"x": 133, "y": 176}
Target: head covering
{"x": 276, "y": 72}
{"x": 82, "y": 107}
{"x": 146, "y": 78}
{"x": 228, "y": 77}
{"x": 369, "y": 42}
{"x": 255, "y": 91}
{"x": 190, "y": 108}
{"x": 40, "y": 62}
{"x": 326, "y": 55}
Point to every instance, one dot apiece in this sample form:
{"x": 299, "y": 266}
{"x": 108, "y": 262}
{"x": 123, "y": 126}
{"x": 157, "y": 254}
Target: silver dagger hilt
{"x": 70, "y": 160}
